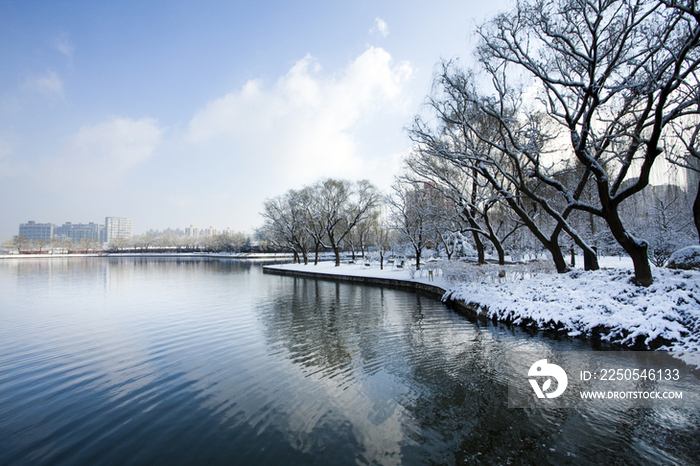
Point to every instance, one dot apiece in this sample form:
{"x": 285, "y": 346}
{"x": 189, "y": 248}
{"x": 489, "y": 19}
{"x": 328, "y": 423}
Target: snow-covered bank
{"x": 390, "y": 272}
{"x": 665, "y": 315}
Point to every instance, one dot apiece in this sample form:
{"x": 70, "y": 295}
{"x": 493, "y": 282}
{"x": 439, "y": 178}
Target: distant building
{"x": 167, "y": 232}
{"x": 33, "y": 230}
{"x": 116, "y": 227}
{"x": 78, "y": 231}
{"x": 211, "y": 231}
{"x": 192, "y": 231}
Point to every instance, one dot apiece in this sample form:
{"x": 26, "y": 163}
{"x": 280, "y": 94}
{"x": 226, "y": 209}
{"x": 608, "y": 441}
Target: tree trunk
{"x": 588, "y": 258}
{"x": 642, "y": 269}
{"x": 479, "y": 248}
{"x": 637, "y": 250}
{"x": 557, "y": 257}
{"x": 501, "y": 252}
{"x": 696, "y": 211}
{"x": 417, "y": 258}
{"x": 573, "y": 257}
{"x": 494, "y": 238}
{"x": 336, "y": 251}
{"x": 591, "y": 262}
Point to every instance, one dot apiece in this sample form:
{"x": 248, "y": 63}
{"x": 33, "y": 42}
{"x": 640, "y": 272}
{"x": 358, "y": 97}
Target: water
{"x": 182, "y": 362}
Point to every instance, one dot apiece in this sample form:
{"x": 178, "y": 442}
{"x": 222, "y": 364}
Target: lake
{"x": 149, "y": 361}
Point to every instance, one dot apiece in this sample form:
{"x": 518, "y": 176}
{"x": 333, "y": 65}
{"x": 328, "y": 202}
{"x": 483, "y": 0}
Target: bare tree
{"x": 40, "y": 244}
{"x": 613, "y": 75}
{"x": 118, "y": 244}
{"x": 314, "y": 222}
{"x": 469, "y": 205}
{"x": 668, "y": 228}
{"x": 688, "y": 158}
{"x": 500, "y": 150}
{"x": 17, "y": 242}
{"x": 411, "y": 214}
{"x": 380, "y": 237}
{"x": 342, "y": 206}
{"x": 285, "y": 225}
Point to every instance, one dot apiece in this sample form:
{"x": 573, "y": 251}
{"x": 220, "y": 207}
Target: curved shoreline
{"x": 598, "y": 335}
{"x": 470, "y": 310}
{"x": 434, "y": 291}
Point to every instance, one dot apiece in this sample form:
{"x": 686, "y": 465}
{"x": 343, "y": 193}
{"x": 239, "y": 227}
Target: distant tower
{"x": 116, "y": 227}
{"x": 192, "y": 231}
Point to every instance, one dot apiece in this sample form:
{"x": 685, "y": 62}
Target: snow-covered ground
{"x": 359, "y": 269}
{"x": 665, "y": 315}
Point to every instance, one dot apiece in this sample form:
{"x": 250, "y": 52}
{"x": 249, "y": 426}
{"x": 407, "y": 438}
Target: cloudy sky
{"x": 182, "y": 112}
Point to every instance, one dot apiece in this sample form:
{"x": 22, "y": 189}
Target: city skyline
{"x": 56, "y": 230}
{"x": 206, "y": 109}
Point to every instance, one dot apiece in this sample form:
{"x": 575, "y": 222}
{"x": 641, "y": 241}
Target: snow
{"x": 686, "y": 258}
{"x": 359, "y": 269}
{"x": 665, "y": 315}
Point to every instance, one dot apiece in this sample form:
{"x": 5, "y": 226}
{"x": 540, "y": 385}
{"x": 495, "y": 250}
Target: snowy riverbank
{"x": 665, "y": 315}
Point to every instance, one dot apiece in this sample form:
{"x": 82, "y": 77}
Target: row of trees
{"x": 572, "y": 105}
{"x": 235, "y": 242}
{"x": 552, "y": 137}
{"x": 421, "y": 213}
{"x": 23, "y": 245}
{"x": 329, "y": 215}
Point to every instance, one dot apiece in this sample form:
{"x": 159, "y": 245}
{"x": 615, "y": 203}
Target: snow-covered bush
{"x": 460, "y": 271}
{"x": 606, "y": 302}
{"x": 685, "y": 259}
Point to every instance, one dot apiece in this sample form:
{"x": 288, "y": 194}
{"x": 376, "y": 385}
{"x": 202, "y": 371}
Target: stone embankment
{"x": 434, "y": 291}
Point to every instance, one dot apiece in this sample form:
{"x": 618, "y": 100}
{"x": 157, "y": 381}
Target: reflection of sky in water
{"x": 211, "y": 361}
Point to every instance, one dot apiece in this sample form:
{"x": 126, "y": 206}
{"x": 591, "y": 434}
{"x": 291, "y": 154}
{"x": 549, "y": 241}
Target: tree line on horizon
{"x": 234, "y": 242}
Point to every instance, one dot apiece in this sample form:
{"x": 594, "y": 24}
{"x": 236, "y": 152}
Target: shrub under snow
{"x": 607, "y": 301}
{"x": 685, "y": 259}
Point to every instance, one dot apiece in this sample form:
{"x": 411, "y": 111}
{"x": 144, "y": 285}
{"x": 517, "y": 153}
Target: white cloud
{"x": 49, "y": 84}
{"x": 63, "y": 44}
{"x": 304, "y": 124}
{"x": 101, "y": 154}
{"x": 380, "y": 27}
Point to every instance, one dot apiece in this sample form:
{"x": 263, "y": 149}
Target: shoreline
{"x": 601, "y": 307}
{"x": 434, "y": 291}
{"x": 442, "y": 292}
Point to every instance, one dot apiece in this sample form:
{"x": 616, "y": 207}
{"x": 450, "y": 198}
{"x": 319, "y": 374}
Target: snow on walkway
{"x": 373, "y": 271}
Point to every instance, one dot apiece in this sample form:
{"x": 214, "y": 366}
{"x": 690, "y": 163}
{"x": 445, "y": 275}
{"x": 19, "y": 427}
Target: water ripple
{"x": 139, "y": 362}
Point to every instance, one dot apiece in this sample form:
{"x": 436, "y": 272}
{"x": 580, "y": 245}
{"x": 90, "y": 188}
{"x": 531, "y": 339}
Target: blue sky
{"x": 182, "y": 112}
